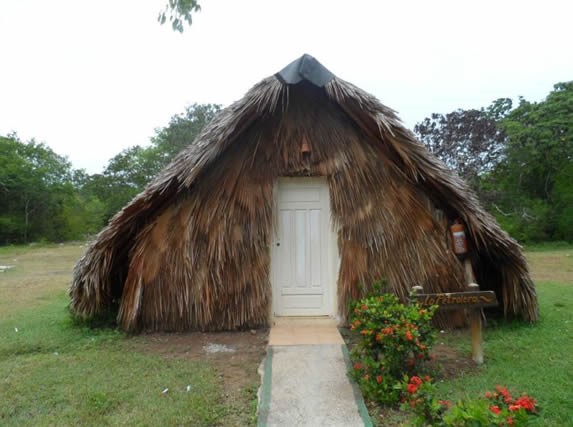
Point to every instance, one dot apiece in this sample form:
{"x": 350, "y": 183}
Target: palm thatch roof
{"x": 192, "y": 250}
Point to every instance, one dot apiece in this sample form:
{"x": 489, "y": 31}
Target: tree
{"x": 468, "y": 141}
{"x": 130, "y": 171}
{"x": 179, "y": 12}
{"x": 534, "y": 182}
{"x": 34, "y": 183}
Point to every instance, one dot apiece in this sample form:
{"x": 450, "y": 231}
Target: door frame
{"x": 332, "y": 257}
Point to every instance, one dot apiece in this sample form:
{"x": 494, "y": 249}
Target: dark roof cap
{"x": 305, "y": 68}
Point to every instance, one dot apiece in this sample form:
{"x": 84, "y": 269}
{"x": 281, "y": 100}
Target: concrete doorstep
{"x": 304, "y": 377}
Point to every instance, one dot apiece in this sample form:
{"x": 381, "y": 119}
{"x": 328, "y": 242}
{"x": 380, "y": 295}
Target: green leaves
{"x": 179, "y": 12}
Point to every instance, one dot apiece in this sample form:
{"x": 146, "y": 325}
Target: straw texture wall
{"x": 193, "y": 250}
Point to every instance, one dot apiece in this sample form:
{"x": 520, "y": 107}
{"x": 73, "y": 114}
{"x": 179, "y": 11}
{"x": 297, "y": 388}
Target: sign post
{"x": 473, "y": 300}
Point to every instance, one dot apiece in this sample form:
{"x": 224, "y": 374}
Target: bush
{"x": 394, "y": 339}
{"x": 496, "y": 408}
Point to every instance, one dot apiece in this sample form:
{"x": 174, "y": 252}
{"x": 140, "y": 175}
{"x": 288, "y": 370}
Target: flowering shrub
{"x": 497, "y": 408}
{"x": 418, "y": 395}
{"x": 394, "y": 340}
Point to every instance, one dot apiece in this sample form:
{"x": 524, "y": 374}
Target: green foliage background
{"x": 519, "y": 160}
{"x": 42, "y": 198}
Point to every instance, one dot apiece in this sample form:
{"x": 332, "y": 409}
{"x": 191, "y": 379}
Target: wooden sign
{"x": 457, "y": 300}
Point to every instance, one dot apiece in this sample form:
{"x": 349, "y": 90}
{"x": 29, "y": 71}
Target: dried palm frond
{"x": 192, "y": 251}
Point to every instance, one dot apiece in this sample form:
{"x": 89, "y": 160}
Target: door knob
{"x": 278, "y": 243}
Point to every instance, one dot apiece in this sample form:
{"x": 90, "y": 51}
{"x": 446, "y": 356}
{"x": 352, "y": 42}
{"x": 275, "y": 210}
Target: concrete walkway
{"x": 304, "y": 377}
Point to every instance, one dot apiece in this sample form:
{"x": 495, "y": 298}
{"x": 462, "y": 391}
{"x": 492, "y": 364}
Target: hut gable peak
{"x": 305, "y": 68}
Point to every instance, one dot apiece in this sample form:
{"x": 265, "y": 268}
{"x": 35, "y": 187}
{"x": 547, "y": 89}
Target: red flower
{"x": 427, "y": 378}
{"x": 513, "y": 408}
{"x": 495, "y": 409}
{"x": 357, "y": 366}
{"x": 379, "y": 378}
{"x": 445, "y": 403}
{"x": 503, "y": 391}
{"x": 409, "y": 336}
{"x": 509, "y": 421}
{"x": 415, "y": 380}
{"x": 526, "y": 402}
{"x": 488, "y": 394}
{"x": 412, "y": 388}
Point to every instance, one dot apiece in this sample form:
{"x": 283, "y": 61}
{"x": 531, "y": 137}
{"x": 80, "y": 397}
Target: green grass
{"x": 533, "y": 359}
{"x": 56, "y": 373}
{"x": 548, "y": 246}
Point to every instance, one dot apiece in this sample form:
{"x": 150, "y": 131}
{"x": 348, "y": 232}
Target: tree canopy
{"x": 519, "y": 160}
{"x": 43, "y": 198}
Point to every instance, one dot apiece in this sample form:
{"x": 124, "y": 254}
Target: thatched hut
{"x": 287, "y": 203}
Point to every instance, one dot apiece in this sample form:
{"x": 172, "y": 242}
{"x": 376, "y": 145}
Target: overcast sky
{"x": 90, "y": 78}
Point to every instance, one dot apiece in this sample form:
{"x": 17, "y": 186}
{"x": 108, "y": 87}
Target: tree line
{"x": 518, "y": 159}
{"x": 43, "y": 198}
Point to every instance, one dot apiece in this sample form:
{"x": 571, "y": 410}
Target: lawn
{"x": 56, "y": 372}
{"x": 530, "y": 358}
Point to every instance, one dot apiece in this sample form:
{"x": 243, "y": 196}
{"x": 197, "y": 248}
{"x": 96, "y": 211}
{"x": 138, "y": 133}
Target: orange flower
{"x": 409, "y": 336}
{"x": 366, "y": 377}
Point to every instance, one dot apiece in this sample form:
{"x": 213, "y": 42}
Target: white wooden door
{"x": 302, "y": 264}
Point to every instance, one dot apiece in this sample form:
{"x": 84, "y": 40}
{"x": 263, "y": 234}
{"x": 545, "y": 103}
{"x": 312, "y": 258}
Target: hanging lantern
{"x": 458, "y": 235}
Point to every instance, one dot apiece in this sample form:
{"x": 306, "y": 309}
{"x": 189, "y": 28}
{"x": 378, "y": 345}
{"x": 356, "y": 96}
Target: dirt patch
{"x": 447, "y": 362}
{"x": 235, "y": 356}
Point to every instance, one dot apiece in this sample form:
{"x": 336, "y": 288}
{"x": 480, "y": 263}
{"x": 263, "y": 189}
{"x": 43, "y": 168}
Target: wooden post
{"x": 474, "y": 316}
